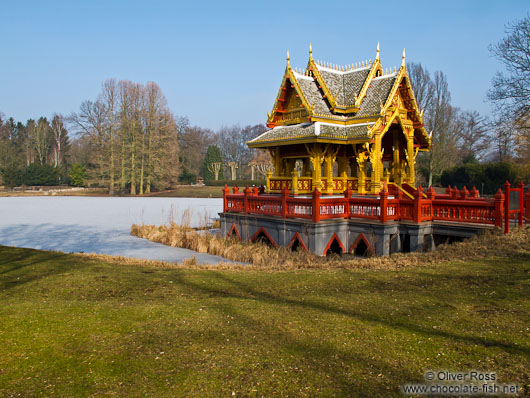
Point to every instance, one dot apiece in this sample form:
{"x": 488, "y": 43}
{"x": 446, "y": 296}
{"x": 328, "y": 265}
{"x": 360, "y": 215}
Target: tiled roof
{"x": 344, "y": 86}
{"x": 314, "y": 130}
{"x": 312, "y": 94}
{"x": 377, "y": 94}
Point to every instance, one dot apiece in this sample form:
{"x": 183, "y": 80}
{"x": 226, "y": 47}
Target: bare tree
{"x": 472, "y": 131}
{"x": 60, "y": 140}
{"x": 511, "y": 89}
{"x": 214, "y": 168}
{"x": 422, "y": 85}
{"x": 109, "y": 97}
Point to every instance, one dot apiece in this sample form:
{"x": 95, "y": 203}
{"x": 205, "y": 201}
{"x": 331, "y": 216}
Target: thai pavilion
{"x": 334, "y": 127}
{"x": 344, "y": 141}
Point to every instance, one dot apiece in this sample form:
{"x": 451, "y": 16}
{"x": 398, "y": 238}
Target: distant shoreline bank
{"x": 183, "y": 191}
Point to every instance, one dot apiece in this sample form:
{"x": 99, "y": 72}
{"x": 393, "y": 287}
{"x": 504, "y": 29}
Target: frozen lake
{"x": 100, "y": 225}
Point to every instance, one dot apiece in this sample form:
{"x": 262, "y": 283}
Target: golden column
{"x": 411, "y": 155}
{"x": 377, "y": 166}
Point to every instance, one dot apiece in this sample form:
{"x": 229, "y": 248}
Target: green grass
{"x": 75, "y": 327}
{"x": 192, "y": 191}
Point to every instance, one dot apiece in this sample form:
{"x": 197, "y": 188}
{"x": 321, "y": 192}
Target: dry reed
{"x": 263, "y": 256}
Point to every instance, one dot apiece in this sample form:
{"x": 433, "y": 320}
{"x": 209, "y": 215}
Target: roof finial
{"x": 310, "y": 50}
{"x": 403, "y": 58}
{"x": 288, "y": 58}
{"x": 377, "y": 56}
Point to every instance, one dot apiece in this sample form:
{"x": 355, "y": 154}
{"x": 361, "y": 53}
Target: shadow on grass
{"x": 245, "y": 291}
{"x": 21, "y": 266}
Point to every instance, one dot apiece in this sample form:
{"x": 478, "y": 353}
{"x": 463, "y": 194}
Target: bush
{"x": 492, "y": 175}
{"x": 239, "y": 183}
{"x": 13, "y": 177}
{"x": 77, "y": 175}
{"x": 187, "y": 178}
{"x": 41, "y": 174}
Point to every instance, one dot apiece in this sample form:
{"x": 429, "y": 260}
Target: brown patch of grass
{"x": 265, "y": 257}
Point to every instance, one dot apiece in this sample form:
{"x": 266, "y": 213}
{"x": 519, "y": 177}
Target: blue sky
{"x": 221, "y": 63}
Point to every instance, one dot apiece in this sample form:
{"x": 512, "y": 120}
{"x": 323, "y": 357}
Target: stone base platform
{"x": 356, "y": 236}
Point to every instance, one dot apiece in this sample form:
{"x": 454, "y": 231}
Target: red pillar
{"x": 226, "y": 191}
{"x": 316, "y": 205}
{"x": 417, "y": 205}
{"x": 506, "y": 207}
{"x": 347, "y": 196}
{"x": 499, "y": 204}
{"x": 246, "y": 194}
{"x": 383, "y": 203}
{"x": 285, "y": 194}
{"x": 431, "y": 193}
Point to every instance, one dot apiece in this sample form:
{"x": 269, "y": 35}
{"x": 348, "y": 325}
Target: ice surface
{"x": 100, "y": 225}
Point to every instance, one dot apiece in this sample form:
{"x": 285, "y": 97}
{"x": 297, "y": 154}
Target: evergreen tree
{"x": 213, "y": 162}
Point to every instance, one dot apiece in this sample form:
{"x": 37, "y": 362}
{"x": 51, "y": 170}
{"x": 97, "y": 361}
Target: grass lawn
{"x": 72, "y": 326}
{"x": 192, "y": 191}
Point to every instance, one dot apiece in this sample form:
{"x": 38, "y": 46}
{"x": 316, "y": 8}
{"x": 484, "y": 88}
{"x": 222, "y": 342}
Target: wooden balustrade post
{"x": 383, "y": 203}
{"x": 347, "y": 196}
{"x": 448, "y": 190}
{"x": 285, "y": 194}
{"x": 464, "y": 193}
{"x": 235, "y": 189}
{"x": 255, "y": 190}
{"x": 316, "y": 205}
{"x": 499, "y": 204}
{"x": 521, "y": 204}
{"x": 418, "y": 196}
{"x": 474, "y": 194}
{"x": 506, "y": 207}
{"x": 431, "y": 193}
{"x": 246, "y": 194}
{"x": 454, "y": 193}
{"x": 226, "y": 191}
{"x": 527, "y": 206}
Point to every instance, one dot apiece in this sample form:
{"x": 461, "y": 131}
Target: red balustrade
{"x": 455, "y": 206}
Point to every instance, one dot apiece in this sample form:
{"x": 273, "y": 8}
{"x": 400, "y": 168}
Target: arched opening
{"x": 296, "y": 243}
{"x": 361, "y": 247}
{"x": 233, "y": 233}
{"x": 264, "y": 239}
{"x": 262, "y": 236}
{"x": 334, "y": 246}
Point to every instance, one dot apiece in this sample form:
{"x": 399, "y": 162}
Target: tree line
{"x": 33, "y": 151}
{"x": 128, "y": 141}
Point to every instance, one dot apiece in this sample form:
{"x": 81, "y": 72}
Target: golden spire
{"x": 288, "y": 58}
{"x": 377, "y": 56}
{"x": 403, "y": 58}
{"x": 310, "y": 51}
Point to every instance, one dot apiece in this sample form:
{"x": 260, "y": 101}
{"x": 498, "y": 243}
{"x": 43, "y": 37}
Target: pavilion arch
{"x": 334, "y": 245}
{"x": 264, "y": 237}
{"x": 233, "y": 232}
{"x": 362, "y": 246}
{"x": 297, "y": 242}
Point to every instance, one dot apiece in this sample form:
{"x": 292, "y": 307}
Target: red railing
{"x": 454, "y": 206}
